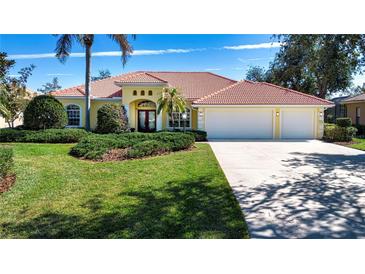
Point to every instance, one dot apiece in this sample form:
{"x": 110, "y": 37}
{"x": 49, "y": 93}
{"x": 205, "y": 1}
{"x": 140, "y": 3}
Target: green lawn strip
{"x": 180, "y": 195}
{"x": 360, "y": 144}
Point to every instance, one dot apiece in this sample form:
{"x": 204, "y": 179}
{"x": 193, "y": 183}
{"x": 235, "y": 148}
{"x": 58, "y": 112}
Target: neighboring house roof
{"x": 203, "y": 88}
{"x": 356, "y": 98}
{"x": 259, "y": 93}
{"x": 193, "y": 85}
{"x": 338, "y": 100}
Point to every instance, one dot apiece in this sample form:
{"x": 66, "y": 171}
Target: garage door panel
{"x": 297, "y": 124}
{"x": 239, "y": 123}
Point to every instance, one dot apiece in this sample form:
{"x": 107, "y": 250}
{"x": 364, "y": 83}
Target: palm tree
{"x": 63, "y": 50}
{"x": 171, "y": 101}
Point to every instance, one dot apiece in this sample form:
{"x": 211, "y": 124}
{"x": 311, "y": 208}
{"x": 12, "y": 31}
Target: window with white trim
{"x": 179, "y": 121}
{"x": 73, "y": 115}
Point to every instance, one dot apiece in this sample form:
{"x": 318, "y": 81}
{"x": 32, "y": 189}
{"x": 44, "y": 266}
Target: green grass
{"x": 181, "y": 195}
{"x": 359, "y": 145}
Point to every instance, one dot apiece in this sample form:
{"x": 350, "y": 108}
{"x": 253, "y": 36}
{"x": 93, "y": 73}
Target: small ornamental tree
{"x": 45, "y": 112}
{"x": 111, "y": 119}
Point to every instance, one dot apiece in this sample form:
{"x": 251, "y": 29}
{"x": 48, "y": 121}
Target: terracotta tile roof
{"x": 258, "y": 93}
{"x": 360, "y": 97}
{"x": 141, "y": 77}
{"x": 193, "y": 85}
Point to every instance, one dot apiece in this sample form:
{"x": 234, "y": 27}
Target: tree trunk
{"x": 87, "y": 86}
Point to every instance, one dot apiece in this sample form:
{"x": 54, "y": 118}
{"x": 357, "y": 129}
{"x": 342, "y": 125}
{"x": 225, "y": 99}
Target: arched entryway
{"x": 146, "y": 116}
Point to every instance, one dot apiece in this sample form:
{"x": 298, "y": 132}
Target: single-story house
{"x": 355, "y": 107}
{"x": 223, "y": 107}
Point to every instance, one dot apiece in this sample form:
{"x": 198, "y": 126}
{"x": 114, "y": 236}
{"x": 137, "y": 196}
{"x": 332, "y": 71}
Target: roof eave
{"x": 140, "y": 84}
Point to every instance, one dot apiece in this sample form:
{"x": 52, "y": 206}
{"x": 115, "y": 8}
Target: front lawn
{"x": 360, "y": 144}
{"x": 181, "y": 195}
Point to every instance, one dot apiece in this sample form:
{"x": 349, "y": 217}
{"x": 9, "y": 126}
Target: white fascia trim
{"x": 261, "y": 106}
{"x": 70, "y": 97}
{"x": 108, "y": 99}
{"x": 119, "y": 84}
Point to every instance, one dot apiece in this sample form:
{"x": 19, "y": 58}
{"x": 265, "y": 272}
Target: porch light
{"x": 277, "y": 114}
{"x": 320, "y": 114}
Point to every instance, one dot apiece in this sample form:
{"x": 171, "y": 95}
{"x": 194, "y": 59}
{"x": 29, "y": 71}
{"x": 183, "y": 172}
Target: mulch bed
{"x": 7, "y": 182}
{"x": 346, "y": 143}
{"x": 120, "y": 154}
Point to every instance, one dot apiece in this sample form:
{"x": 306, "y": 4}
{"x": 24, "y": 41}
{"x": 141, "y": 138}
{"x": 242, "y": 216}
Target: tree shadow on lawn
{"x": 197, "y": 208}
{"x": 323, "y": 197}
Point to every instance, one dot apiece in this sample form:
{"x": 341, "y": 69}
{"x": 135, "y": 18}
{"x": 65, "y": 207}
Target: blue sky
{"x": 228, "y": 55}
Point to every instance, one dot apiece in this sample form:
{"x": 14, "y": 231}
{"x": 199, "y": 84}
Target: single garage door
{"x": 297, "y": 124}
{"x": 239, "y": 123}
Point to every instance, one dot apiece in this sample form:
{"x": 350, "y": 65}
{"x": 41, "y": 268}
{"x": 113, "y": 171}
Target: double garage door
{"x": 250, "y": 123}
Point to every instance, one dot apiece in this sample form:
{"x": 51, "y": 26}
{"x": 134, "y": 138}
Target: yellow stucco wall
{"x": 351, "y": 112}
{"x": 131, "y": 102}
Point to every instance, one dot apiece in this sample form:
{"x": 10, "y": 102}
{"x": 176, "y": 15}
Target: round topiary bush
{"x": 45, "y": 112}
{"x": 111, "y": 119}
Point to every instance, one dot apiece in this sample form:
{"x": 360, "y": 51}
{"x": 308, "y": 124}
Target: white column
{"x": 159, "y": 121}
{"x": 201, "y": 119}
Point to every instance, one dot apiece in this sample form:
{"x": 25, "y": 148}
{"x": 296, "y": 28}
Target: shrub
{"x": 95, "y": 146}
{"x": 44, "y": 112}
{"x": 111, "y": 119}
{"x": 344, "y": 122}
{"x": 360, "y": 130}
{"x": 335, "y": 133}
{"x": 66, "y": 135}
{"x": 199, "y": 135}
{"x": 147, "y": 148}
{"x": 6, "y": 161}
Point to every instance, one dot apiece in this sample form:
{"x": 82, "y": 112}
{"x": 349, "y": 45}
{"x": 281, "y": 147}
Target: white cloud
{"x": 212, "y": 69}
{"x": 255, "y": 46}
{"x": 59, "y": 74}
{"x": 254, "y": 59}
{"x": 105, "y": 53}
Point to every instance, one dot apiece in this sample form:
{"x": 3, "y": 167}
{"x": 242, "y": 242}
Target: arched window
{"x": 147, "y": 104}
{"x": 142, "y": 92}
{"x": 74, "y": 115}
{"x": 150, "y": 92}
{"x": 134, "y": 92}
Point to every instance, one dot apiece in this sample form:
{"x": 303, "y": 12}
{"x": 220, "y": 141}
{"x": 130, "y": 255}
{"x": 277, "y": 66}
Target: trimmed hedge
{"x": 44, "y": 112}
{"x": 344, "y": 122}
{"x": 199, "y": 135}
{"x": 335, "y": 133}
{"x": 66, "y": 135}
{"x": 138, "y": 144}
{"x": 6, "y": 161}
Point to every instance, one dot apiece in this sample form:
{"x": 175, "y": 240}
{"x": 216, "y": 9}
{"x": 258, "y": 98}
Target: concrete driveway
{"x": 296, "y": 189}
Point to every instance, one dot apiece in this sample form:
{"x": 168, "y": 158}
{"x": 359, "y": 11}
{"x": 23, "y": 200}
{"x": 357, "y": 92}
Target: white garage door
{"x": 239, "y": 123}
{"x": 297, "y": 124}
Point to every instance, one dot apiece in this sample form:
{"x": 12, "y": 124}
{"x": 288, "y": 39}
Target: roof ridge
{"x": 158, "y": 78}
{"x": 218, "y": 75}
{"x": 218, "y": 91}
{"x": 294, "y": 91}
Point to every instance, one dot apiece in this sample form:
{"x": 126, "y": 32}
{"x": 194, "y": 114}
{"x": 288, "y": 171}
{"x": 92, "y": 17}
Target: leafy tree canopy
{"x": 50, "y": 86}
{"x": 317, "y": 64}
{"x": 256, "y": 74}
{"x": 103, "y": 74}
{"x": 14, "y": 96}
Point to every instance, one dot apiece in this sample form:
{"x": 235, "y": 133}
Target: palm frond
{"x": 124, "y": 45}
{"x": 63, "y": 46}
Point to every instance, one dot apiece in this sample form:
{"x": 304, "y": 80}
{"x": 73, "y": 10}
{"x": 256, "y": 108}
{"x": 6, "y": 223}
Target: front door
{"x": 146, "y": 120}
